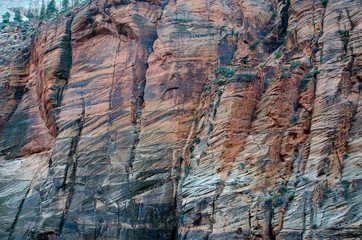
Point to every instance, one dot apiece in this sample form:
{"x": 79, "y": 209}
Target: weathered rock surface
{"x": 184, "y": 119}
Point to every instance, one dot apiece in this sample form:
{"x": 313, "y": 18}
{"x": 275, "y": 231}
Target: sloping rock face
{"x": 181, "y": 119}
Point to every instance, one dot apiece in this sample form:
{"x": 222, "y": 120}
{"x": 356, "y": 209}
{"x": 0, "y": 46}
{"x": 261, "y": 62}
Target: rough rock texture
{"x": 204, "y": 119}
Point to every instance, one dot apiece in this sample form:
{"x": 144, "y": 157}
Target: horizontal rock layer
{"x": 183, "y": 120}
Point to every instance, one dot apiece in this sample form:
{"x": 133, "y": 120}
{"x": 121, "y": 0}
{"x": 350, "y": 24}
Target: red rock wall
{"x": 184, "y": 120}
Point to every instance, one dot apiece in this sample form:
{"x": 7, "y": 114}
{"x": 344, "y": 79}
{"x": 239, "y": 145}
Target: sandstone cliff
{"x": 175, "y": 119}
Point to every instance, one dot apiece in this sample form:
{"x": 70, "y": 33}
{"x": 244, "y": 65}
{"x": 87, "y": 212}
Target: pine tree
{"x": 17, "y": 15}
{"x": 51, "y": 8}
{"x": 6, "y": 17}
{"x": 42, "y": 11}
{"x": 65, "y": 5}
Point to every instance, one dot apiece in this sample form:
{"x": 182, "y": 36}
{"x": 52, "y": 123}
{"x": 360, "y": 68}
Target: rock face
{"x": 181, "y": 119}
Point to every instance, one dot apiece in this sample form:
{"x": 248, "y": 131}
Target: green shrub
{"x": 294, "y": 64}
{"x": 326, "y": 191}
{"x": 273, "y": 16}
{"x": 316, "y": 72}
{"x": 242, "y": 166}
{"x": 17, "y": 15}
{"x": 283, "y": 190}
{"x": 187, "y": 169}
{"x": 207, "y": 87}
{"x": 197, "y": 140}
{"x": 221, "y": 83}
{"x": 6, "y": 17}
{"x": 324, "y": 2}
{"x": 285, "y": 74}
{"x": 304, "y": 83}
{"x": 211, "y": 127}
{"x": 345, "y": 155}
{"x": 345, "y": 192}
{"x": 294, "y": 119}
{"x": 223, "y": 71}
{"x": 278, "y": 54}
{"x": 51, "y": 9}
{"x": 308, "y": 75}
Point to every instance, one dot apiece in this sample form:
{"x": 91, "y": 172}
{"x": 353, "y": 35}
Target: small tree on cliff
{"x": 65, "y": 5}
{"x": 42, "y": 11}
{"x": 51, "y": 8}
{"x": 76, "y": 2}
{"x": 17, "y": 15}
{"x": 6, "y": 17}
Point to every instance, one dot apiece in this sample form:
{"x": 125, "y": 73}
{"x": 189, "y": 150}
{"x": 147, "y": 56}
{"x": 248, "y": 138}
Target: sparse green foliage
{"x": 346, "y": 185}
{"x": 211, "y": 127}
{"x": 207, "y": 87}
{"x": 297, "y": 181}
{"x": 30, "y": 15}
{"x": 197, "y": 140}
{"x": 6, "y": 17}
{"x": 242, "y": 166}
{"x": 285, "y": 74}
{"x": 280, "y": 40}
{"x": 51, "y": 8}
{"x": 192, "y": 156}
{"x": 294, "y": 64}
{"x": 221, "y": 83}
{"x": 17, "y": 15}
{"x": 294, "y": 119}
{"x": 254, "y": 45}
{"x": 65, "y": 5}
{"x": 304, "y": 83}
{"x": 42, "y": 12}
{"x": 345, "y": 155}
{"x": 283, "y": 190}
{"x": 324, "y": 2}
{"x": 316, "y": 72}
{"x": 187, "y": 169}
{"x": 326, "y": 191}
{"x": 76, "y": 2}
{"x": 223, "y": 71}
{"x": 273, "y": 16}
{"x": 314, "y": 226}
{"x": 278, "y": 54}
